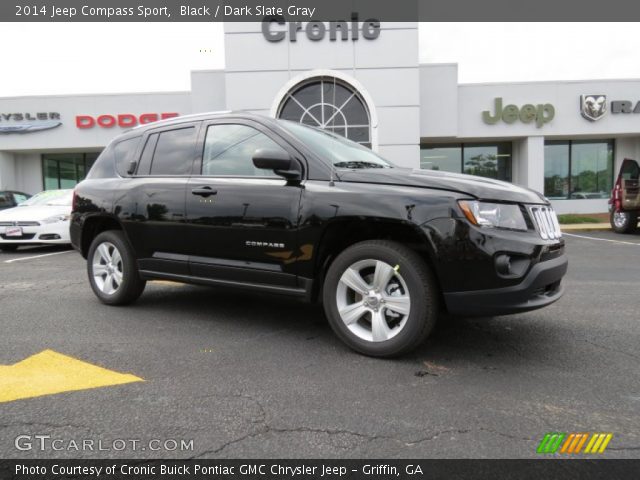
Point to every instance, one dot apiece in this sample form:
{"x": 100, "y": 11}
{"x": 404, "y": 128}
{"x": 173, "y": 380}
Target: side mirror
{"x": 277, "y": 160}
{"x": 132, "y": 168}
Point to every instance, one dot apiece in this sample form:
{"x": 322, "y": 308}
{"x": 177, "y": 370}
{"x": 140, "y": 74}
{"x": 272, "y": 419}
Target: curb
{"x": 585, "y": 227}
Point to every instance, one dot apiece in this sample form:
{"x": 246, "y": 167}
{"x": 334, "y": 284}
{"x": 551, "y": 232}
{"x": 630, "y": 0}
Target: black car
{"x": 10, "y": 198}
{"x": 268, "y": 205}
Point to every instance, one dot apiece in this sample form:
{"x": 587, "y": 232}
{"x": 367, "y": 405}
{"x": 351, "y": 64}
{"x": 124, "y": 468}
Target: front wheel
{"x": 380, "y": 298}
{"x": 113, "y": 273}
{"x": 624, "y": 222}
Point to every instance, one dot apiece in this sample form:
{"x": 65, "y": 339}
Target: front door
{"x": 243, "y": 221}
{"x": 629, "y": 181}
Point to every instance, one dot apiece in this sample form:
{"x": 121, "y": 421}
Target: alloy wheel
{"x": 620, "y": 219}
{"x": 107, "y": 268}
{"x": 373, "y": 300}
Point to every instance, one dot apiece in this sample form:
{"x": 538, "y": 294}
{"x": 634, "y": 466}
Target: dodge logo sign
{"x": 593, "y": 107}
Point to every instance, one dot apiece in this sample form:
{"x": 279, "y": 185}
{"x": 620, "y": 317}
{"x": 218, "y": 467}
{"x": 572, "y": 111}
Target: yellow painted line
{"x": 605, "y": 443}
{"x": 167, "y": 282}
{"x": 50, "y": 372}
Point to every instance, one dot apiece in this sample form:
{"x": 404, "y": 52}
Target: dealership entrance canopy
{"x": 362, "y": 80}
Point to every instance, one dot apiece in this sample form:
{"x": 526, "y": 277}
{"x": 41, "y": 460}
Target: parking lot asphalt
{"x": 248, "y": 375}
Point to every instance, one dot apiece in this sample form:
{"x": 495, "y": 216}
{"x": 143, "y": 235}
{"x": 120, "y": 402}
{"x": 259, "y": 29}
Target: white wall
{"x": 28, "y": 174}
{"x": 385, "y": 69}
{"x": 7, "y": 171}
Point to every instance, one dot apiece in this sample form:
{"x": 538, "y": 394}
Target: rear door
{"x": 243, "y": 221}
{"x": 152, "y": 202}
{"x": 629, "y": 182}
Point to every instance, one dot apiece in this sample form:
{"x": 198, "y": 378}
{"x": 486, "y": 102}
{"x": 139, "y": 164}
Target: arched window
{"x": 330, "y": 104}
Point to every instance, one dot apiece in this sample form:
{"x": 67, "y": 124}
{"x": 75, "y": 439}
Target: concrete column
{"x": 530, "y": 168}
{"x": 7, "y": 171}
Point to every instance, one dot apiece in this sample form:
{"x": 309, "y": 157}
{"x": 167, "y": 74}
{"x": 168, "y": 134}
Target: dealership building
{"x": 362, "y": 80}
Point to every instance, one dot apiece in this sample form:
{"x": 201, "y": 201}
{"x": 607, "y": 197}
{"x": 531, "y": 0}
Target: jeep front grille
{"x": 546, "y": 222}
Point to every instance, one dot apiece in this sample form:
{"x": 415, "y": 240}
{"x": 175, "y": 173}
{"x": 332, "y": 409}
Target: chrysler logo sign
{"x": 593, "y": 107}
{"x": 28, "y": 122}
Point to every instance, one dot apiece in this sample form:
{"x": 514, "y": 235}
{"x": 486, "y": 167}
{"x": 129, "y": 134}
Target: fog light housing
{"x": 511, "y": 266}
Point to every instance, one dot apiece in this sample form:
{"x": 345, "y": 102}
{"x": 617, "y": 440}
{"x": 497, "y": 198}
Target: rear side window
{"x": 125, "y": 154}
{"x": 630, "y": 170}
{"x": 104, "y": 166}
{"x": 5, "y": 200}
{"x": 174, "y": 152}
{"x": 147, "y": 155}
{"x": 19, "y": 198}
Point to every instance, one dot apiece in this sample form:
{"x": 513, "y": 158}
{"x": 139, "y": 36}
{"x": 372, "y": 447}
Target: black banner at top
{"x": 317, "y": 10}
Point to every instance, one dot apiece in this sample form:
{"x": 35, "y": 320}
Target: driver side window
{"x": 229, "y": 149}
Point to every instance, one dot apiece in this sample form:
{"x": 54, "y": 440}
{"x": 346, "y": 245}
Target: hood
{"x": 34, "y": 213}
{"x": 479, "y": 187}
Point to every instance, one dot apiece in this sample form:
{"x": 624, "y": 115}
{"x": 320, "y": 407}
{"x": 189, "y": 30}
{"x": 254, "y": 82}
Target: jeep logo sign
{"x": 540, "y": 113}
{"x": 316, "y": 31}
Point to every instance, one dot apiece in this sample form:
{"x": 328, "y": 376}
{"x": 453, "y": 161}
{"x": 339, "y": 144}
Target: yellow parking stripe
{"x": 50, "y": 372}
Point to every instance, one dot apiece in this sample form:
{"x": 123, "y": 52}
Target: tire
{"x": 8, "y": 248}
{"x": 113, "y": 273}
{"x": 624, "y": 222}
{"x": 369, "y": 324}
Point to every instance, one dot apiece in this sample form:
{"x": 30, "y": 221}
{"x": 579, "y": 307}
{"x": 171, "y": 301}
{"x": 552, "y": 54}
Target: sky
{"x": 56, "y": 58}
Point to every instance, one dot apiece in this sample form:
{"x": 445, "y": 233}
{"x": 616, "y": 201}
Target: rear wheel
{"x": 624, "y": 222}
{"x": 8, "y": 248}
{"x": 112, "y": 269}
{"x": 380, "y": 298}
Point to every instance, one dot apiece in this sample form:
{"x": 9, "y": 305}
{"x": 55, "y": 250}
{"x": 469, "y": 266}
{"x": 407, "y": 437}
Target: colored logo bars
{"x": 555, "y": 442}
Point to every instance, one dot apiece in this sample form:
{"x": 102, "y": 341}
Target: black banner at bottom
{"x": 320, "y": 469}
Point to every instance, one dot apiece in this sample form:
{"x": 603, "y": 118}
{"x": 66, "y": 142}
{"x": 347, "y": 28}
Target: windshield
{"x": 50, "y": 198}
{"x": 343, "y": 153}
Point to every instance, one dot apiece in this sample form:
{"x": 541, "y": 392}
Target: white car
{"x": 43, "y": 219}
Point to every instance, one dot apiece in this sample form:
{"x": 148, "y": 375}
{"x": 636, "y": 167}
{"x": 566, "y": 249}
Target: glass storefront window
{"x": 578, "y": 169}
{"x": 491, "y": 160}
{"x": 445, "y": 157}
{"x": 556, "y": 170}
{"x": 65, "y": 170}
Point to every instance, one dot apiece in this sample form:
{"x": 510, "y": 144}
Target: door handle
{"x": 204, "y": 191}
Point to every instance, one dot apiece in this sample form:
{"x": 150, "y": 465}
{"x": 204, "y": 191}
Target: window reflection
{"x": 578, "y": 169}
{"x": 492, "y": 160}
{"x": 65, "y": 170}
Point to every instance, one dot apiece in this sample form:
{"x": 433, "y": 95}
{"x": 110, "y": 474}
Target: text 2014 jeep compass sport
{"x": 268, "y": 205}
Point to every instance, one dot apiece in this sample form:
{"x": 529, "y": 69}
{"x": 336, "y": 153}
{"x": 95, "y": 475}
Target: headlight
{"x": 500, "y": 215}
{"x": 56, "y": 218}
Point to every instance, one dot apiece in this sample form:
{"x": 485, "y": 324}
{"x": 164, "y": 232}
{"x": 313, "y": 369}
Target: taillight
{"x": 616, "y": 195}
{"x": 74, "y": 200}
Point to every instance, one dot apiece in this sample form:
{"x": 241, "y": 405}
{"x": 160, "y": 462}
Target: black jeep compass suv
{"x": 268, "y": 205}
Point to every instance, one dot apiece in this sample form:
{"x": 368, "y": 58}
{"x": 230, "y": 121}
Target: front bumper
{"x": 52, "y": 233}
{"x": 540, "y": 287}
